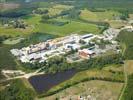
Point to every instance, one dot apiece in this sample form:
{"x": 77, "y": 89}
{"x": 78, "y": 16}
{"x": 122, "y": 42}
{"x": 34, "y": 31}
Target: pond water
{"x": 42, "y": 83}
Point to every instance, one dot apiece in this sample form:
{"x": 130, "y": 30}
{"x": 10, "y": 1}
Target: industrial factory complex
{"x": 85, "y": 46}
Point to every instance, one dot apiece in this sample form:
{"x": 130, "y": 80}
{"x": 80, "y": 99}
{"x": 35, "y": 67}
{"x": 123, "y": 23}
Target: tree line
{"x": 59, "y": 63}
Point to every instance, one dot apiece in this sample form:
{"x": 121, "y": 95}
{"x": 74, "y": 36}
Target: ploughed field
{"x": 42, "y": 83}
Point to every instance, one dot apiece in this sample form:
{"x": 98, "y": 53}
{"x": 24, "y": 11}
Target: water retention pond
{"x": 42, "y": 83}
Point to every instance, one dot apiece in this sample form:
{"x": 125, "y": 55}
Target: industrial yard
{"x": 86, "y": 46}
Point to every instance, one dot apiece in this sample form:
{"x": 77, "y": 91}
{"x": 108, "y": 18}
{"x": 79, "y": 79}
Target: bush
{"x": 41, "y": 11}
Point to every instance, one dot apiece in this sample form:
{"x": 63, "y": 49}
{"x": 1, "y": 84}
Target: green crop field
{"x": 98, "y": 16}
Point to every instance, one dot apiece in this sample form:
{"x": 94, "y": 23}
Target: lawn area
{"x": 27, "y": 84}
{"x": 131, "y": 16}
{"x": 58, "y": 8}
{"x": 128, "y": 93}
{"x": 101, "y": 90}
{"x": 107, "y": 15}
{"x": 42, "y": 4}
{"x": 129, "y": 67}
{"x": 55, "y": 9}
{"x": 6, "y": 59}
{"x": 98, "y": 16}
{"x": 125, "y": 37}
{"x": 37, "y": 26}
{"x": 88, "y": 15}
{"x": 114, "y": 68}
{"x": 71, "y": 27}
{"x": 13, "y": 41}
{"x": 34, "y": 38}
{"x": 14, "y": 32}
{"x": 117, "y": 24}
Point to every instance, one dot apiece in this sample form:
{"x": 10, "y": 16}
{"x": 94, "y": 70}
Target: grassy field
{"x": 128, "y": 93}
{"x": 108, "y": 4}
{"x": 37, "y": 26}
{"x": 117, "y": 24}
{"x": 129, "y": 67}
{"x": 71, "y": 27}
{"x": 6, "y": 59}
{"x": 10, "y": 31}
{"x": 106, "y": 16}
{"x": 88, "y": 15}
{"x": 13, "y": 41}
{"x": 114, "y": 68}
{"x": 100, "y": 90}
{"x": 42, "y": 4}
{"x": 131, "y": 16}
{"x": 57, "y": 9}
{"x": 98, "y": 16}
{"x": 125, "y": 37}
{"x": 27, "y": 84}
